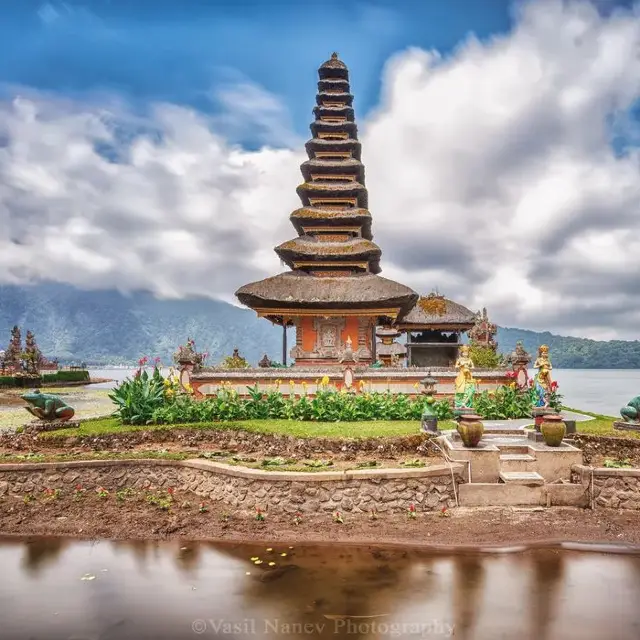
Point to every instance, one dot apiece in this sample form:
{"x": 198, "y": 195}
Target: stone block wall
{"x": 245, "y": 489}
{"x": 611, "y": 488}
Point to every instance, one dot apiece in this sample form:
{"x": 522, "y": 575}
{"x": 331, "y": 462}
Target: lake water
{"x": 602, "y": 391}
{"x": 58, "y": 589}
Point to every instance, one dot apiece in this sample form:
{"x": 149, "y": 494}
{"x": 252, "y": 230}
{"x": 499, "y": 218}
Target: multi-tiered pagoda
{"x": 332, "y": 293}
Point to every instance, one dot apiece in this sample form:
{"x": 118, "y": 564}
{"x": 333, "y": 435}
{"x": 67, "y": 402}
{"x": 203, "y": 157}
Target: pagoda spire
{"x": 334, "y": 223}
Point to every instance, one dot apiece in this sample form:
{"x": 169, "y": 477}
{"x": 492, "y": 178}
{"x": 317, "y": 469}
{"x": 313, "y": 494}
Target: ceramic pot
{"x": 470, "y": 429}
{"x": 553, "y": 430}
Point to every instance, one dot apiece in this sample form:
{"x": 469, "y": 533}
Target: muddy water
{"x": 59, "y": 589}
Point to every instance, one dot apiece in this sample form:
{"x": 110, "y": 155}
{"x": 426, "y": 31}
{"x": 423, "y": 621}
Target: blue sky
{"x": 179, "y": 50}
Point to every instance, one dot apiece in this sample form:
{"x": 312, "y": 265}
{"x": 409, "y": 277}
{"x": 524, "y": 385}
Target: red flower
{"x": 170, "y": 491}
{"x": 78, "y": 487}
{"x": 143, "y": 361}
{"x": 412, "y": 507}
{"x": 510, "y": 375}
{"x": 554, "y": 385}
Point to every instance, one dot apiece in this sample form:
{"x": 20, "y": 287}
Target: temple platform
{"x": 299, "y": 380}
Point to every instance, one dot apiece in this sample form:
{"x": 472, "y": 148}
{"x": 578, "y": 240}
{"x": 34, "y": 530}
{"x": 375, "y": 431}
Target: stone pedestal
{"x": 622, "y": 425}
{"x": 37, "y": 426}
{"x": 538, "y": 416}
{"x": 430, "y": 425}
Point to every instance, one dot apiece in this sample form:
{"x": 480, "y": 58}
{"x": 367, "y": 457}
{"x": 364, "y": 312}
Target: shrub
{"x": 7, "y": 381}
{"x": 329, "y": 405}
{"x": 138, "y": 397}
{"x": 485, "y": 357}
{"x": 66, "y": 376}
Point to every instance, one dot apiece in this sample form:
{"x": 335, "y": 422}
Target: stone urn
{"x": 553, "y": 430}
{"x": 470, "y": 429}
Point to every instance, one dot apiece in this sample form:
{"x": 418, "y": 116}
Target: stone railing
{"x": 612, "y": 488}
{"x": 429, "y": 489}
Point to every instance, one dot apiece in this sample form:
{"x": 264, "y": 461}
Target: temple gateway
{"x": 332, "y": 293}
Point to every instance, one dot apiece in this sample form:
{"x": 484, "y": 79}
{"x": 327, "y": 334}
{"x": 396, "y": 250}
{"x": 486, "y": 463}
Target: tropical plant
{"x": 137, "y": 398}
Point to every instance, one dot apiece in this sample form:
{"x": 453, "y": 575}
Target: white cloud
{"x": 491, "y": 177}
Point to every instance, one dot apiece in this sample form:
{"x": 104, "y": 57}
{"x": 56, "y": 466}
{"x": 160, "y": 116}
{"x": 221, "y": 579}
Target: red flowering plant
{"x": 411, "y": 512}
{"x": 78, "y": 492}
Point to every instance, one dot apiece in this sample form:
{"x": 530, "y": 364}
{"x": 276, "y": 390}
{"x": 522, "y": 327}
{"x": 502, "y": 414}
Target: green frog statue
{"x": 631, "y": 413}
{"x": 47, "y": 407}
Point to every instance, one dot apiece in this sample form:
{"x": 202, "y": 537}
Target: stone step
{"x": 517, "y": 462}
{"x": 479, "y": 494}
{"x": 513, "y": 448}
{"x": 526, "y": 478}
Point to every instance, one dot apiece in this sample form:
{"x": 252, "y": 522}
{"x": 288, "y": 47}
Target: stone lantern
{"x": 429, "y": 417}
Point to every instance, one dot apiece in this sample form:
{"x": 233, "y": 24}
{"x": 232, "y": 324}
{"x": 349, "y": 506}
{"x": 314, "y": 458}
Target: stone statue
{"x": 45, "y": 406}
{"x": 265, "y": 363}
{"x": 483, "y": 332}
{"x": 465, "y": 385}
{"x": 519, "y": 361}
{"x": 631, "y": 413}
{"x": 542, "y": 381}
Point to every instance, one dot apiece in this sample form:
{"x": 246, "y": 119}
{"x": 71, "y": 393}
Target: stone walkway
{"x": 521, "y": 423}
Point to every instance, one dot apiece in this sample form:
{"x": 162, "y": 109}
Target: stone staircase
{"x": 515, "y": 469}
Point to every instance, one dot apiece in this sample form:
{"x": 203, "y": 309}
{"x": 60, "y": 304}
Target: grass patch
{"x": 600, "y": 425}
{"x": 298, "y": 429}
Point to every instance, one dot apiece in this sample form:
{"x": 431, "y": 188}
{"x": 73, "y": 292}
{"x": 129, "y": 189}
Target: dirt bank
{"x": 149, "y": 515}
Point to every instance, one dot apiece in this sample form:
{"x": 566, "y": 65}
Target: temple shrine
{"x": 332, "y": 293}
{"x": 348, "y": 319}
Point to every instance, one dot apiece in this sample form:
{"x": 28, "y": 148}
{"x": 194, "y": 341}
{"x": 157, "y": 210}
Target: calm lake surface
{"x": 602, "y": 391}
{"x": 61, "y": 589}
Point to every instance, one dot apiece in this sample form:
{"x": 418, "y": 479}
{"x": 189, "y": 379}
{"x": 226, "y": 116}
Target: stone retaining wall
{"x": 385, "y": 490}
{"x": 612, "y": 488}
{"x": 618, "y": 448}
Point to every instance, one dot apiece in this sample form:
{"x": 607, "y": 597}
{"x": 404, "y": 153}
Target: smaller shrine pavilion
{"x": 434, "y": 328}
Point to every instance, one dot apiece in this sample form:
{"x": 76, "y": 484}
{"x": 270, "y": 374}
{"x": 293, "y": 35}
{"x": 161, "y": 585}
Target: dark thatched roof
{"x": 350, "y": 144}
{"x": 345, "y": 111}
{"x": 334, "y": 62}
{"x": 310, "y": 248}
{"x": 345, "y": 97}
{"x": 317, "y": 216}
{"x": 394, "y": 349}
{"x": 349, "y": 166}
{"x": 333, "y": 189}
{"x": 320, "y": 126}
{"x": 333, "y": 84}
{"x": 438, "y": 310}
{"x": 297, "y": 289}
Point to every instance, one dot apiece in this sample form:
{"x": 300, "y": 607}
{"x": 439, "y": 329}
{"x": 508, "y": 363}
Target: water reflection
{"x": 60, "y": 589}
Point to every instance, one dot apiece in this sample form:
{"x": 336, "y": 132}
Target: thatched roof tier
{"x": 323, "y": 97}
{"x": 309, "y": 190}
{"x": 435, "y": 311}
{"x": 393, "y": 349}
{"x": 317, "y": 216}
{"x": 332, "y": 112}
{"x": 319, "y": 127}
{"x": 333, "y": 85}
{"x": 299, "y": 290}
{"x": 310, "y": 248}
{"x": 352, "y": 146}
{"x": 333, "y": 68}
{"x": 320, "y": 166}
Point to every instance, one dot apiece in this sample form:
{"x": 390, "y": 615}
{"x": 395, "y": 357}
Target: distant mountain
{"x": 108, "y": 327}
{"x": 574, "y": 353}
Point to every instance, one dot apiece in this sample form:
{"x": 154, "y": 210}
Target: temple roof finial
{"x": 334, "y": 56}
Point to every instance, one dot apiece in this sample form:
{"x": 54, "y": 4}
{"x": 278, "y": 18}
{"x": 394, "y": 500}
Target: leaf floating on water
{"x": 272, "y": 564}
{"x": 258, "y": 562}
{"x": 248, "y": 573}
{"x": 255, "y": 558}
{"x": 270, "y": 549}
{"x": 284, "y": 554}
{"x": 88, "y": 576}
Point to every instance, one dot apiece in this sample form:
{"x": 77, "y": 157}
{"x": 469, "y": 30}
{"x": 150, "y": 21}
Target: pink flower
{"x": 143, "y": 361}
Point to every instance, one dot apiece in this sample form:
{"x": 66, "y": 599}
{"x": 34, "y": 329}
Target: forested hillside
{"x": 102, "y": 327}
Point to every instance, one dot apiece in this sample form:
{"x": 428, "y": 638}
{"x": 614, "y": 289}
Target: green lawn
{"x": 601, "y": 425}
{"x": 365, "y": 429}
